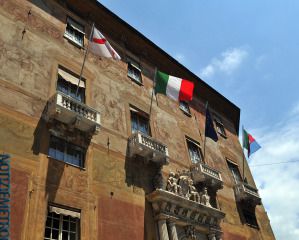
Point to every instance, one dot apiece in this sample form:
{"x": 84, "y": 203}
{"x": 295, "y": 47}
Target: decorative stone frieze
{"x": 202, "y": 173}
{"x": 245, "y": 192}
{"x": 181, "y": 205}
{"x": 73, "y": 113}
{"x": 181, "y": 184}
{"x": 148, "y": 148}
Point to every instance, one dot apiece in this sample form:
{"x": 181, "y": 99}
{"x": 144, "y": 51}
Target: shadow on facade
{"x": 40, "y": 138}
{"x": 142, "y": 176}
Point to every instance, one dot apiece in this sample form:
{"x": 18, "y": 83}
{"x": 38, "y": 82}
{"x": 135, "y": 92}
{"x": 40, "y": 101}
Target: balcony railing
{"x": 147, "y": 147}
{"x": 247, "y": 192}
{"x": 204, "y": 173}
{"x": 72, "y": 112}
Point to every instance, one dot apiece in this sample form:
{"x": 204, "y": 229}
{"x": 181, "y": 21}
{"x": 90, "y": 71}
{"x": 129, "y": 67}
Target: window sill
{"x": 67, "y": 164}
{"x": 222, "y": 135}
{"x": 135, "y": 81}
{"x": 70, "y": 40}
{"x": 252, "y": 226}
{"x": 186, "y": 113}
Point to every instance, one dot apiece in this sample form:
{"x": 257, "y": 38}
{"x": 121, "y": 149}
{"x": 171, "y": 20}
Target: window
{"x": 194, "y": 150}
{"x": 134, "y": 71}
{"x": 67, "y": 83}
{"x": 184, "y": 106}
{"x": 234, "y": 171}
{"x": 249, "y": 216}
{"x": 219, "y": 126}
{"x": 62, "y": 150}
{"x": 62, "y": 224}
{"x": 139, "y": 122}
{"x": 74, "y": 32}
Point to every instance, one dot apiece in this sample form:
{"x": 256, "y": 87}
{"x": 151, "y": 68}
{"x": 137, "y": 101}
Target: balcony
{"x": 147, "y": 147}
{"x": 246, "y": 192}
{"x": 206, "y": 174}
{"x": 180, "y": 209}
{"x": 73, "y": 113}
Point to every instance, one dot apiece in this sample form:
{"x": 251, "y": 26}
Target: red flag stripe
{"x": 186, "y": 91}
{"x": 99, "y": 40}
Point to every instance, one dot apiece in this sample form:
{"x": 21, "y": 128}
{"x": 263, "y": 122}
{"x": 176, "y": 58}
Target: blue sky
{"x": 247, "y": 51}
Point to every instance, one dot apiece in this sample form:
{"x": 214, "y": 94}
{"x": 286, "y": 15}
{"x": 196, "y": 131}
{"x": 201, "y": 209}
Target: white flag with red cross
{"x": 101, "y": 47}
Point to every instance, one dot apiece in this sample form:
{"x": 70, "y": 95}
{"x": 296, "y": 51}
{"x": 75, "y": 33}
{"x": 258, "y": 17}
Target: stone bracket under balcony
{"x": 245, "y": 192}
{"x": 202, "y": 173}
{"x": 183, "y": 211}
{"x": 148, "y": 148}
{"x": 73, "y": 113}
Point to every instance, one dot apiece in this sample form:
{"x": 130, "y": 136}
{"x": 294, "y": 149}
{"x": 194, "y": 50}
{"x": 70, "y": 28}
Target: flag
{"x": 101, "y": 47}
{"x": 209, "y": 129}
{"x": 249, "y": 143}
{"x": 176, "y": 88}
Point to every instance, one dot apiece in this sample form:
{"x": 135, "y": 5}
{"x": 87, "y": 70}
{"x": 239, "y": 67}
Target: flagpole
{"x": 86, "y": 52}
{"x": 243, "y": 153}
{"x": 205, "y": 139}
{"x": 154, "y": 85}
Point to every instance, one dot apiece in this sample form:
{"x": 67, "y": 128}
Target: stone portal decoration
{"x": 190, "y": 232}
{"x": 181, "y": 184}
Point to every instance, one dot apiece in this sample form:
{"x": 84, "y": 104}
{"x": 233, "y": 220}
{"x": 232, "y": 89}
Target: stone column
{"x": 163, "y": 233}
{"x": 172, "y": 231}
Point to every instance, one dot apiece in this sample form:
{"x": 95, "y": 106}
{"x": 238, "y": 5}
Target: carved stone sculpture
{"x": 205, "y": 198}
{"x": 172, "y": 185}
{"x": 193, "y": 194}
{"x": 181, "y": 183}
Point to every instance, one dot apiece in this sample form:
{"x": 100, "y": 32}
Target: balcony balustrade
{"x": 73, "y": 113}
{"x": 248, "y": 193}
{"x": 148, "y": 147}
{"x": 206, "y": 174}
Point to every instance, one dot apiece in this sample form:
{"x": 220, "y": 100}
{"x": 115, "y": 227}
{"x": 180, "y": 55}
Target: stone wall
{"x": 110, "y": 190}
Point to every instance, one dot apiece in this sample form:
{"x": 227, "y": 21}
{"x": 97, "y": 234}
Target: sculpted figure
{"x": 205, "y": 198}
{"x": 172, "y": 185}
{"x": 193, "y": 194}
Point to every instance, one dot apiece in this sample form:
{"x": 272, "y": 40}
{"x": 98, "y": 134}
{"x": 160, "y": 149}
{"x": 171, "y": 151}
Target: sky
{"x": 248, "y": 51}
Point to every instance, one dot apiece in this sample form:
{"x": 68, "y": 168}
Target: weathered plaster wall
{"x": 110, "y": 190}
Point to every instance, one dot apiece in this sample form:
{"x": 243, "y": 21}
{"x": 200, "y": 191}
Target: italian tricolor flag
{"x": 176, "y": 88}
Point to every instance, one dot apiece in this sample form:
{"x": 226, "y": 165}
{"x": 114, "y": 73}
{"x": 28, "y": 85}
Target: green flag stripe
{"x": 161, "y": 82}
{"x": 245, "y": 139}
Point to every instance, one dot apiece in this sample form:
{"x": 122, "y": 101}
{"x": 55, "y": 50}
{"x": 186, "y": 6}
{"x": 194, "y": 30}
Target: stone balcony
{"x": 246, "y": 192}
{"x": 184, "y": 212}
{"x": 148, "y": 147}
{"x": 210, "y": 177}
{"x": 67, "y": 110}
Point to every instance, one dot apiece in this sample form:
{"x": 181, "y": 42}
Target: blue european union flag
{"x": 210, "y": 130}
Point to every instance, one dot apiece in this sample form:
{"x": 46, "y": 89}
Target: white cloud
{"x": 229, "y": 61}
{"x": 279, "y": 183}
{"x": 180, "y": 57}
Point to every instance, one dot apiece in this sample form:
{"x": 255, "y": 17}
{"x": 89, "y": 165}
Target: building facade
{"x": 92, "y": 159}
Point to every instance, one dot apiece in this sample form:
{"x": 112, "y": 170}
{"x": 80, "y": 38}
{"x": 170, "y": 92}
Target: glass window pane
{"x": 48, "y": 222}
{"x": 65, "y": 235}
{"x": 65, "y": 225}
{"x": 134, "y": 123}
{"x": 143, "y": 125}
{"x": 55, "y": 234}
{"x": 72, "y": 236}
{"x": 73, "y": 226}
{"x": 48, "y": 232}
{"x": 55, "y": 224}
{"x": 194, "y": 152}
